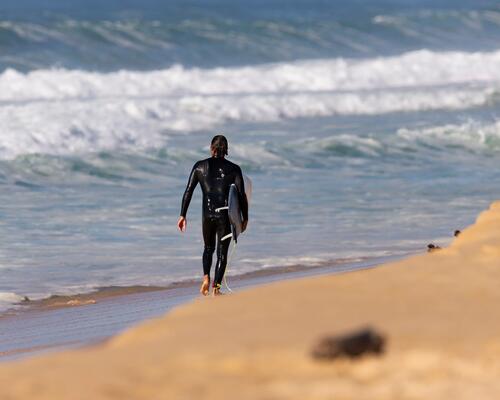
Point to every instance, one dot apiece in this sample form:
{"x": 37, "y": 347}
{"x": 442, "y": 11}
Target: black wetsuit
{"x": 215, "y": 176}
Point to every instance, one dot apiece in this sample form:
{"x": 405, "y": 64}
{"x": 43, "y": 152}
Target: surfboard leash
{"x": 229, "y": 260}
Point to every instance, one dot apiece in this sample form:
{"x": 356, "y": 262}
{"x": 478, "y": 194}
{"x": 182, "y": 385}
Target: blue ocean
{"x": 369, "y": 129}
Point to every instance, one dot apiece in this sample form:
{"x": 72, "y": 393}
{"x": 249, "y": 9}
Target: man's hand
{"x": 244, "y": 226}
{"x": 181, "y": 224}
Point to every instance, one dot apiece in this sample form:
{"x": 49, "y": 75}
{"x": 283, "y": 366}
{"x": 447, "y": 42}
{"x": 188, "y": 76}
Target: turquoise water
{"x": 369, "y": 129}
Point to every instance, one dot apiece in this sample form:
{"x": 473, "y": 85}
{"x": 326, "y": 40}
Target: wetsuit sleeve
{"x": 240, "y": 184}
{"x": 188, "y": 193}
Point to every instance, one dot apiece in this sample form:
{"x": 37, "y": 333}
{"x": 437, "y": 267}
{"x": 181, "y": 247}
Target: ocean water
{"x": 369, "y": 129}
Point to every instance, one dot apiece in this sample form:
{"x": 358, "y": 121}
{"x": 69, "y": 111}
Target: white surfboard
{"x": 234, "y": 209}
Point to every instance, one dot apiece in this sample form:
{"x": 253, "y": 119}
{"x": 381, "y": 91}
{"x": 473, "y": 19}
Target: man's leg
{"x": 223, "y": 229}
{"x": 209, "y": 233}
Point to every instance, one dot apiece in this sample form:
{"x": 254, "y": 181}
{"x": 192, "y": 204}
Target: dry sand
{"x": 439, "y": 312}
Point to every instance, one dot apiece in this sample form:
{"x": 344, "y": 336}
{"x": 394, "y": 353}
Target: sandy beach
{"x": 437, "y": 312}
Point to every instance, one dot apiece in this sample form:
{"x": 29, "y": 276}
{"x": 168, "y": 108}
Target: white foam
{"x": 61, "y": 111}
{"x": 471, "y": 135}
{"x": 8, "y": 300}
{"x": 415, "y": 69}
{"x": 64, "y": 127}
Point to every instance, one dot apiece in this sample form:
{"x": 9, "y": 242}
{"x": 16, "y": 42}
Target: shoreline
{"x": 39, "y": 326}
{"x": 100, "y": 293}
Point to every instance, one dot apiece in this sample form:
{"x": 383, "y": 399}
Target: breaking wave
{"x": 418, "y": 69}
{"x": 64, "y": 112}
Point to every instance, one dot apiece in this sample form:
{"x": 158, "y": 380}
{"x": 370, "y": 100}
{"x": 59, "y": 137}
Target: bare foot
{"x": 216, "y": 291}
{"x": 205, "y": 286}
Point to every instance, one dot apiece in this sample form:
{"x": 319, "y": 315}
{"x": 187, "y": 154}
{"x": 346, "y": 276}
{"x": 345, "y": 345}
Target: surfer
{"x": 215, "y": 176}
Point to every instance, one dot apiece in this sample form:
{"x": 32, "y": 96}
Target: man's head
{"x": 218, "y": 147}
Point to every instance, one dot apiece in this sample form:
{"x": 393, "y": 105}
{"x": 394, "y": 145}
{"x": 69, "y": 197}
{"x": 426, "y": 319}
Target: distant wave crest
{"x": 71, "y": 111}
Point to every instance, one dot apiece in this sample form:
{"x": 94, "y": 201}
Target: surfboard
{"x": 234, "y": 209}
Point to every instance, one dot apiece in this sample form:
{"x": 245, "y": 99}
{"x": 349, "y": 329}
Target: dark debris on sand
{"x": 351, "y": 345}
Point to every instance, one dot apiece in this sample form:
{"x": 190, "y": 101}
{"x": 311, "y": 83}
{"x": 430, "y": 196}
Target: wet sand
{"x": 438, "y": 312}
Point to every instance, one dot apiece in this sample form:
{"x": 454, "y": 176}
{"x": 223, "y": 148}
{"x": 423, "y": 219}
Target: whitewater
{"x": 62, "y": 111}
